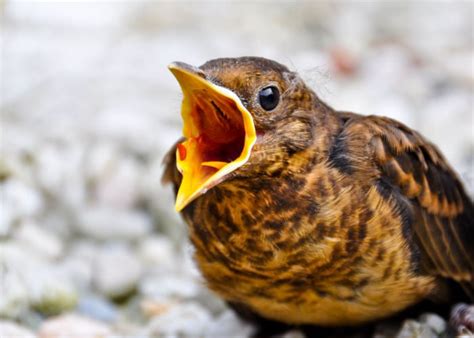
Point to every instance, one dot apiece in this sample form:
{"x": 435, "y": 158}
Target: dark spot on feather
{"x": 273, "y": 224}
{"x": 321, "y": 189}
{"x": 274, "y": 236}
{"x": 246, "y": 219}
{"x": 405, "y": 162}
{"x": 320, "y": 230}
{"x": 202, "y": 233}
{"x": 351, "y": 242}
{"x": 297, "y": 183}
{"x": 384, "y": 188}
{"x": 229, "y": 221}
{"x": 362, "y": 231}
{"x": 251, "y": 244}
{"x": 240, "y": 195}
{"x": 218, "y": 194}
{"x": 295, "y": 220}
{"x": 362, "y": 283}
{"x": 403, "y": 208}
{"x": 312, "y": 210}
{"x": 213, "y": 211}
{"x": 339, "y": 157}
{"x": 380, "y": 254}
{"x": 321, "y": 293}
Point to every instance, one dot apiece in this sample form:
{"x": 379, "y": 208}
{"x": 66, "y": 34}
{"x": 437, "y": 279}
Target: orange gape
{"x": 327, "y": 218}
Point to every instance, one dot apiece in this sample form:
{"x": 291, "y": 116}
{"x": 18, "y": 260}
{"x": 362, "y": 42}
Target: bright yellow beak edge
{"x": 201, "y": 174}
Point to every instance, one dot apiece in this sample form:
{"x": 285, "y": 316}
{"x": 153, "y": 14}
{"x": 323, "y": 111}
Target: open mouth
{"x": 219, "y": 132}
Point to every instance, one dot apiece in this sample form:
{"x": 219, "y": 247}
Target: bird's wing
{"x": 416, "y": 177}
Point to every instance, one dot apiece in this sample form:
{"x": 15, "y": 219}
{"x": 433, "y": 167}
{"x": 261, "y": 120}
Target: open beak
{"x": 219, "y": 133}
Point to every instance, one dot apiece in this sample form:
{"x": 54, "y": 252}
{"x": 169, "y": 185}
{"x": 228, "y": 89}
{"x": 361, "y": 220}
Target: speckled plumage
{"x": 336, "y": 219}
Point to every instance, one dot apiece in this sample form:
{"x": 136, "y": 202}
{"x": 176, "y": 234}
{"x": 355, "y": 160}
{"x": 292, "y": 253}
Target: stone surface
{"x": 13, "y": 330}
{"x": 107, "y": 223}
{"x": 72, "y": 325}
{"x": 434, "y": 322}
{"x": 116, "y": 271}
{"x": 50, "y": 293}
{"x": 188, "y": 319}
{"x": 97, "y": 307}
{"x": 39, "y": 240}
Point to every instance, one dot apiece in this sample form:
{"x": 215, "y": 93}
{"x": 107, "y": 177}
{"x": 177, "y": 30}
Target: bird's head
{"x": 242, "y": 117}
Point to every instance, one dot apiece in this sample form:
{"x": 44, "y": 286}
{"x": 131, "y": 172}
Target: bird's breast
{"x": 305, "y": 249}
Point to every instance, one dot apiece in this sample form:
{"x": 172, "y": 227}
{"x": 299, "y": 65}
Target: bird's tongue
{"x": 219, "y": 134}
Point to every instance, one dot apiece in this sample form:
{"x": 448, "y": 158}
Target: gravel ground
{"x": 89, "y": 243}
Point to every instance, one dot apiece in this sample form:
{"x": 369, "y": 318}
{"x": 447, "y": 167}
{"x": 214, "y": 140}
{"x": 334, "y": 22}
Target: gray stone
{"x": 158, "y": 252}
{"x": 227, "y": 324}
{"x": 98, "y": 308}
{"x": 414, "y": 329}
{"x": 188, "y": 319}
{"x": 13, "y": 330}
{"x": 51, "y": 294}
{"x": 116, "y": 271}
{"x": 73, "y": 325}
{"x": 44, "y": 243}
{"x": 435, "y": 322}
{"x": 169, "y": 286}
{"x": 14, "y": 300}
{"x": 106, "y": 223}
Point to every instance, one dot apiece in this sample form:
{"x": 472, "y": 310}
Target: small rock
{"x": 106, "y": 223}
{"x": 228, "y": 324}
{"x": 158, "y": 251}
{"x": 72, "y": 325}
{"x": 12, "y": 329}
{"x": 293, "y": 334}
{"x": 78, "y": 270}
{"x": 116, "y": 271}
{"x": 118, "y": 187}
{"x": 98, "y": 308}
{"x": 414, "y": 329}
{"x": 20, "y": 198}
{"x": 51, "y": 294}
{"x": 39, "y": 240}
{"x": 14, "y": 299}
{"x": 169, "y": 286}
{"x": 189, "y": 319}
{"x": 435, "y": 322}
{"x": 409, "y": 329}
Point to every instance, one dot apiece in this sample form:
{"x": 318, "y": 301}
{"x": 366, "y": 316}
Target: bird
{"x": 303, "y": 215}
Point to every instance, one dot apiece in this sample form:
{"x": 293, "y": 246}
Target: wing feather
{"x": 444, "y": 218}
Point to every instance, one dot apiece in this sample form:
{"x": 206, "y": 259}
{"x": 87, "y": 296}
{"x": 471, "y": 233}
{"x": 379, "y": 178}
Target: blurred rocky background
{"x": 89, "y": 243}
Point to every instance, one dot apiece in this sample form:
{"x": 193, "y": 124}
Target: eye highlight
{"x": 269, "y": 97}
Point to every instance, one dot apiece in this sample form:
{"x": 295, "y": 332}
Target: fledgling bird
{"x": 304, "y": 215}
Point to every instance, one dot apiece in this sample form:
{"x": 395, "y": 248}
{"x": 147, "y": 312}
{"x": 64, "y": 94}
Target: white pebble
{"x": 116, "y": 271}
{"x": 12, "y": 330}
{"x": 228, "y": 324}
{"x": 158, "y": 251}
{"x": 106, "y": 223}
{"x": 20, "y": 199}
{"x": 39, "y": 240}
{"x": 14, "y": 300}
{"x": 169, "y": 286}
{"x": 435, "y": 322}
{"x": 50, "y": 292}
{"x": 72, "y": 325}
{"x": 189, "y": 319}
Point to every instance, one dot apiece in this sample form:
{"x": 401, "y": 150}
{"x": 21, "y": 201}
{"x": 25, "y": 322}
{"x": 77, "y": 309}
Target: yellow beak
{"x": 219, "y": 133}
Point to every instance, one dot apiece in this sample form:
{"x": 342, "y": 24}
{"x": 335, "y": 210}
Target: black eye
{"x": 269, "y": 97}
